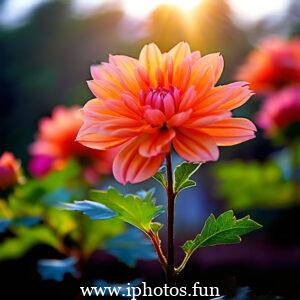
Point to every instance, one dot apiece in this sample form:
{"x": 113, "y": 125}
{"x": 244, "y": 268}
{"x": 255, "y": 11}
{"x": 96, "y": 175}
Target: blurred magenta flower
{"x": 55, "y": 145}
{"x": 279, "y": 111}
{"x": 273, "y": 65}
{"x": 158, "y": 101}
{"x": 40, "y": 165}
{"x": 10, "y": 171}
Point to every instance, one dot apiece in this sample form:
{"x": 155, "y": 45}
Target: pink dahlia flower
{"x": 280, "y": 110}
{"x": 162, "y": 100}
{"x": 273, "y": 65}
{"x": 55, "y": 145}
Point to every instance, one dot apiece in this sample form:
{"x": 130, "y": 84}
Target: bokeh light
{"x": 142, "y": 8}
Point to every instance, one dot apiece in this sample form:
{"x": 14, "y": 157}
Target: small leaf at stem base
{"x": 182, "y": 176}
{"x": 160, "y": 176}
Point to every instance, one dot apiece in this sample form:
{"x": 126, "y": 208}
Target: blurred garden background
{"x": 46, "y": 50}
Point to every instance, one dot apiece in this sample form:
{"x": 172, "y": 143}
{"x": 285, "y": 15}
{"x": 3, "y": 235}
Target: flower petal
{"x": 169, "y": 106}
{"x": 225, "y": 97}
{"x": 126, "y": 67}
{"x": 188, "y": 99}
{"x": 213, "y": 60}
{"x": 155, "y": 143}
{"x": 102, "y": 126}
{"x": 151, "y": 59}
{"x": 124, "y": 63}
{"x": 90, "y": 136}
{"x": 118, "y": 73}
{"x": 204, "y": 81}
{"x": 197, "y": 121}
{"x": 231, "y": 131}
{"x": 104, "y": 89}
{"x": 154, "y": 117}
{"x": 179, "y": 53}
{"x": 122, "y": 110}
{"x": 193, "y": 145}
{"x": 179, "y": 119}
{"x": 130, "y": 166}
{"x": 182, "y": 74}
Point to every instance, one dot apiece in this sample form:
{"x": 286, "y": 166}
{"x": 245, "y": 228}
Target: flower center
{"x": 161, "y": 92}
{"x": 166, "y": 100}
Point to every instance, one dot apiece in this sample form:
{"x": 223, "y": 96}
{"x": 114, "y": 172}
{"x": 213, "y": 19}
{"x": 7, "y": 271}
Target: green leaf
{"x": 135, "y": 210}
{"x": 265, "y": 187}
{"x": 226, "y": 229}
{"x": 27, "y": 238}
{"x": 160, "y": 176}
{"x": 62, "y": 222}
{"x": 39, "y": 235}
{"x": 31, "y": 197}
{"x": 14, "y": 247}
{"x": 156, "y": 227}
{"x": 182, "y": 176}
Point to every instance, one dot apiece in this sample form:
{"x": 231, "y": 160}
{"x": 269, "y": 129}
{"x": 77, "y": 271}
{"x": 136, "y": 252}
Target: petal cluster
{"x": 280, "y": 110}
{"x": 55, "y": 144}
{"x": 273, "y": 65}
{"x": 10, "y": 171}
{"x": 162, "y": 100}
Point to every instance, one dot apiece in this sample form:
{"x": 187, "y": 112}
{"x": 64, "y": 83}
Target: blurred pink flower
{"x": 158, "y": 101}
{"x": 40, "y": 165}
{"x": 280, "y": 110}
{"x": 55, "y": 145}
{"x": 10, "y": 171}
{"x": 274, "y": 64}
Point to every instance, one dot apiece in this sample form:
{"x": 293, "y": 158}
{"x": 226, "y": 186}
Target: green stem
{"x": 171, "y": 274}
{"x": 184, "y": 262}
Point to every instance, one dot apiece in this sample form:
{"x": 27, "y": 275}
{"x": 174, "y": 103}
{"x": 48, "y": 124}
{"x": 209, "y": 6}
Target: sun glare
{"x": 142, "y": 8}
{"x": 248, "y": 10}
{"x": 254, "y": 10}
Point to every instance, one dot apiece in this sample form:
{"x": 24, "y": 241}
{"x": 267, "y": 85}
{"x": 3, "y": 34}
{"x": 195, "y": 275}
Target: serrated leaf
{"x": 226, "y": 229}
{"x": 182, "y": 175}
{"x": 132, "y": 209}
{"x": 94, "y": 210}
{"x": 160, "y": 176}
{"x": 131, "y": 247}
